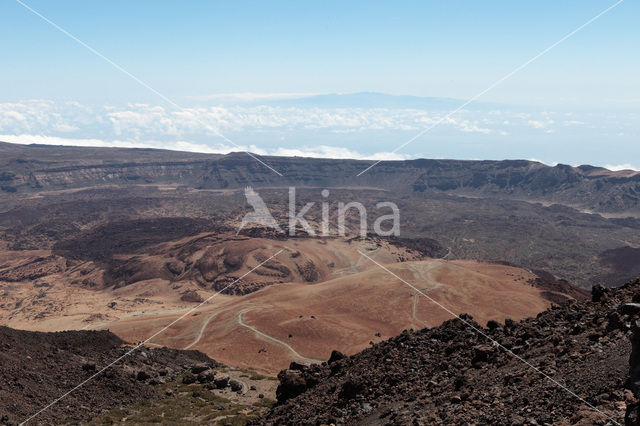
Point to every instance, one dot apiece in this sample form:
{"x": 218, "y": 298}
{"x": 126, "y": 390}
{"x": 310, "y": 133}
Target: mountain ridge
{"x": 588, "y": 188}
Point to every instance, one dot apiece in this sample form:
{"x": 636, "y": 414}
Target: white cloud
{"x": 150, "y": 122}
{"x": 550, "y": 164}
{"x": 619, "y": 167}
{"x": 322, "y": 151}
{"x": 472, "y": 127}
{"x": 335, "y": 152}
{"x": 287, "y": 130}
{"x": 26, "y": 139}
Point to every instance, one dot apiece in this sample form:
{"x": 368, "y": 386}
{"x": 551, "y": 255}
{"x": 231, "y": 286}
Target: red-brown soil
{"x": 269, "y": 328}
{"x": 314, "y": 296}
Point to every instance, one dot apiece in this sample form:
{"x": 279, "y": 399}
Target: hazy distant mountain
{"x": 375, "y": 100}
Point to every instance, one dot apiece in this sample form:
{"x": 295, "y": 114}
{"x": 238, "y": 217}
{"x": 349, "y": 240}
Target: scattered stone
{"x": 482, "y": 353}
{"x": 199, "y": 368}
{"x": 630, "y": 308}
{"x": 188, "y": 379}
{"x": 221, "y": 382}
{"x": 493, "y": 325}
{"x": 205, "y": 377}
{"x": 60, "y": 360}
{"x": 235, "y": 385}
{"x": 142, "y": 376}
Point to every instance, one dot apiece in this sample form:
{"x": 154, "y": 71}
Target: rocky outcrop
{"x": 632, "y": 416}
{"x": 36, "y": 368}
{"x": 191, "y": 296}
{"x": 452, "y": 374}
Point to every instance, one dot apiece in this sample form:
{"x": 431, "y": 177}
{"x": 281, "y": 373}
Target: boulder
{"x": 630, "y": 308}
{"x": 350, "y": 389}
{"x": 235, "y": 385}
{"x": 482, "y": 353}
{"x": 188, "y": 379}
{"x": 598, "y": 293}
{"x": 221, "y": 382}
{"x": 292, "y": 384}
{"x": 199, "y": 368}
{"x": 615, "y": 322}
{"x": 493, "y": 325}
{"x": 142, "y": 375}
{"x": 206, "y": 377}
{"x": 336, "y": 356}
{"x": 297, "y": 366}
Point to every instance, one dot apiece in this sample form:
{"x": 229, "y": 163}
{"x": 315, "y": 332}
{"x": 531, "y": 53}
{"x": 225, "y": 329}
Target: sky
{"x": 252, "y": 71}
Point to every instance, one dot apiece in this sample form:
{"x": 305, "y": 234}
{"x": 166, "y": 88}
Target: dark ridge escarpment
{"x": 29, "y": 168}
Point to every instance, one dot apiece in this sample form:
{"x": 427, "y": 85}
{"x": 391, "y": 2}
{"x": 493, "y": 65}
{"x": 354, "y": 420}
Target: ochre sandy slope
{"x": 350, "y": 303}
{"x": 269, "y": 328}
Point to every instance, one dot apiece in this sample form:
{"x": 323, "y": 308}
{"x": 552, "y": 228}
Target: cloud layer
{"x": 326, "y": 132}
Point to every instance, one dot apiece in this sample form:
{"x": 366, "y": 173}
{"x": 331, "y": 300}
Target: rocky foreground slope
{"x": 451, "y": 374}
{"x": 36, "y": 368}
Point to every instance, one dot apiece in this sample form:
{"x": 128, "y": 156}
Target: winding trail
{"x": 275, "y": 340}
{"x": 241, "y": 323}
{"x": 448, "y": 254}
{"x": 415, "y": 308}
{"x": 202, "y": 329}
{"x": 423, "y": 274}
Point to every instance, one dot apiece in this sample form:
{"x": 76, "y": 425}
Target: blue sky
{"x": 194, "y": 51}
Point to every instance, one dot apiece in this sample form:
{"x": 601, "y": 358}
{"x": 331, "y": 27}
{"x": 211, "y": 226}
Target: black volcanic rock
{"x": 292, "y": 383}
{"x": 598, "y": 292}
{"x": 452, "y": 374}
{"x": 335, "y": 356}
{"x": 36, "y": 368}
